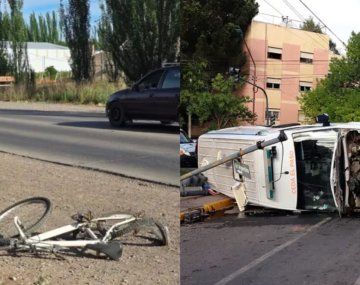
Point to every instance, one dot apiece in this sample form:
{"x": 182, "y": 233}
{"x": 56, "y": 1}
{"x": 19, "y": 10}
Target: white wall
{"x": 40, "y": 59}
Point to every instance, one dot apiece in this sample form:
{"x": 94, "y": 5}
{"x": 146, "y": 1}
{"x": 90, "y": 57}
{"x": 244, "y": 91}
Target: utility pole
{"x": 240, "y": 35}
{"x": 234, "y": 71}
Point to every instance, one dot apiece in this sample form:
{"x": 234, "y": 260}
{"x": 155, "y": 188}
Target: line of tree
{"x": 44, "y": 28}
{"x": 39, "y": 28}
{"x": 13, "y": 37}
{"x": 136, "y": 36}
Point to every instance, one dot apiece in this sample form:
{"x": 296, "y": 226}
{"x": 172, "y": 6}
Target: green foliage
{"x": 139, "y": 35}
{"x": 215, "y": 104}
{"x": 309, "y": 25}
{"x": 333, "y": 48}
{"x": 17, "y": 37}
{"x": 5, "y": 66}
{"x": 339, "y": 94}
{"x": 51, "y": 71}
{"x": 76, "y": 22}
{"x": 44, "y": 28}
{"x": 208, "y": 31}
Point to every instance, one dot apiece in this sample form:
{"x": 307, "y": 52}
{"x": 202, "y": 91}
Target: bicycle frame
{"x": 43, "y": 240}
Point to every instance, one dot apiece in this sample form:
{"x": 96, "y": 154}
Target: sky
{"x": 342, "y": 17}
{"x": 41, "y": 7}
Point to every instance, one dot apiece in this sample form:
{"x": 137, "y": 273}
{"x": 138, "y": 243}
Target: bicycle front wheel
{"x": 32, "y": 213}
{"x": 145, "y": 227}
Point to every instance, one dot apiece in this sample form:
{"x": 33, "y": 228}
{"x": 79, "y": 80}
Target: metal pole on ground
{"x": 259, "y": 145}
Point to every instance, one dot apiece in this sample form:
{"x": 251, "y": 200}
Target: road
{"x": 305, "y": 249}
{"x": 142, "y": 150}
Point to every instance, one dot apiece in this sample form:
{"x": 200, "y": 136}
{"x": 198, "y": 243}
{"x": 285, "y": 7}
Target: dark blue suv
{"x": 153, "y": 97}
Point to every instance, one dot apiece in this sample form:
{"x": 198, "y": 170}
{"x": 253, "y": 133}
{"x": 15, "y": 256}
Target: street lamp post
{"x": 236, "y": 71}
{"x": 240, "y": 35}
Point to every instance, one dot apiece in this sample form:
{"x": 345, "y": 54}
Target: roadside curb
{"x": 93, "y": 169}
{"x": 209, "y": 209}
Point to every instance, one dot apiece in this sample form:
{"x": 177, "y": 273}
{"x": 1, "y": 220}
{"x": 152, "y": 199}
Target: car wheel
{"x": 116, "y": 115}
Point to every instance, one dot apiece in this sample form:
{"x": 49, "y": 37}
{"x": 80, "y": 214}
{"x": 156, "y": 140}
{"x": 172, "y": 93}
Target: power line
{"x": 322, "y": 22}
{"x": 281, "y": 14}
{"x": 294, "y": 10}
{"x": 270, "y": 15}
{"x": 302, "y": 18}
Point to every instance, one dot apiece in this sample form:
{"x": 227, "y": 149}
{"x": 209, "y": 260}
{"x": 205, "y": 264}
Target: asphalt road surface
{"x": 305, "y": 249}
{"x": 145, "y": 150}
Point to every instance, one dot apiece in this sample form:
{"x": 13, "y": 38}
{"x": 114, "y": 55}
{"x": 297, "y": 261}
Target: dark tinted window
{"x": 306, "y": 60}
{"x": 151, "y": 81}
{"x": 272, "y": 85}
{"x": 172, "y": 79}
{"x": 304, "y": 88}
{"x": 274, "y": 55}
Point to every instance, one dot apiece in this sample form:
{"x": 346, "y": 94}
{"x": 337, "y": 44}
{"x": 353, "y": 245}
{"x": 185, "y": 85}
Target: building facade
{"x": 42, "y": 55}
{"x": 288, "y": 61}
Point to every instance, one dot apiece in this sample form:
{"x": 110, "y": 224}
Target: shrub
{"x": 64, "y": 92}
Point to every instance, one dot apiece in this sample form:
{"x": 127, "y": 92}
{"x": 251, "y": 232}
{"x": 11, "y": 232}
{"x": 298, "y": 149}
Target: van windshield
{"x": 314, "y": 153}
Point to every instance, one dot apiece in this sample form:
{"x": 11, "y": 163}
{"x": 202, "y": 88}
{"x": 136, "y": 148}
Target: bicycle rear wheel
{"x": 32, "y": 213}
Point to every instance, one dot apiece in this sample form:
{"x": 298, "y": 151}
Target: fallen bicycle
{"x": 19, "y": 222}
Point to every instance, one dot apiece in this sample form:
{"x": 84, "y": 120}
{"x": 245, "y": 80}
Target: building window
{"x": 305, "y": 86}
{"x": 306, "y": 57}
{"x": 274, "y": 53}
{"x": 273, "y": 83}
{"x": 274, "y": 114}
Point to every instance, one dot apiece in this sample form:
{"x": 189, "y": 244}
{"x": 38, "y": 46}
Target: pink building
{"x": 288, "y": 62}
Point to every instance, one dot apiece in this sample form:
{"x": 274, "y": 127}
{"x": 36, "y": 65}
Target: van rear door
{"x": 337, "y": 175}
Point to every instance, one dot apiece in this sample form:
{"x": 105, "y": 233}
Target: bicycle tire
{"x": 159, "y": 230}
{"x": 10, "y": 231}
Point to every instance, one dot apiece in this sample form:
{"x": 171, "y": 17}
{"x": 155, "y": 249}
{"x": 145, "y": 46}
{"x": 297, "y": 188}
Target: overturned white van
{"x": 316, "y": 168}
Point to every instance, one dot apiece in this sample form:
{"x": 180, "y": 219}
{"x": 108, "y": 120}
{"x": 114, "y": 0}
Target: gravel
{"x": 72, "y": 190}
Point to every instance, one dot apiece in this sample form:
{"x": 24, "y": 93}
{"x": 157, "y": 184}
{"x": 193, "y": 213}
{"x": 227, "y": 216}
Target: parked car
{"x": 153, "y": 97}
{"x": 188, "y": 155}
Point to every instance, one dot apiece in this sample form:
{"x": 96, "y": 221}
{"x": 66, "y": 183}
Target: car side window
{"x": 172, "y": 79}
{"x": 151, "y": 81}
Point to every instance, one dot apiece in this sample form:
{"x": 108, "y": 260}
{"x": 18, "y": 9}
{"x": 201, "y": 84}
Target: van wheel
{"x": 117, "y": 115}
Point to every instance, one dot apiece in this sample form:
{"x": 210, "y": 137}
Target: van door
{"x": 337, "y": 176}
{"x": 314, "y": 152}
